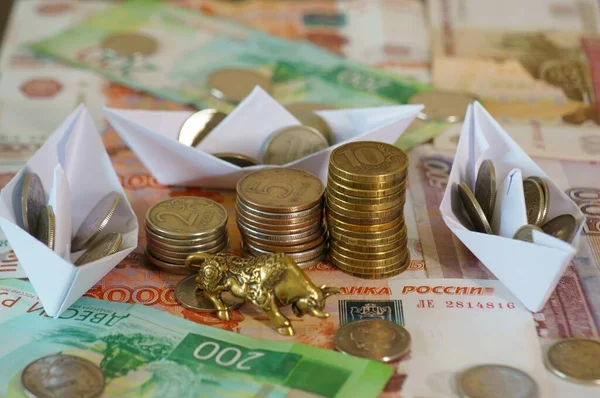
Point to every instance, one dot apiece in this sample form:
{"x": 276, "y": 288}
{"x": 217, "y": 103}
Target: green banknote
{"x": 144, "y": 352}
{"x": 170, "y": 51}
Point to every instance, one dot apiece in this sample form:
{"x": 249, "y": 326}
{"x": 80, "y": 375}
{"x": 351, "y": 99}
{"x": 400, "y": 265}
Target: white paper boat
{"x": 152, "y": 135}
{"x": 76, "y": 173}
{"x": 530, "y": 271}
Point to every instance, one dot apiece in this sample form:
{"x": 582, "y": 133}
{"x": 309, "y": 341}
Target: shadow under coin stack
{"x": 281, "y": 211}
{"x": 178, "y": 227}
{"x": 365, "y": 209}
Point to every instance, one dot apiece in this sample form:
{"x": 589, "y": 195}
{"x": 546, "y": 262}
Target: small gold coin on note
{"x": 237, "y": 158}
{"x": 33, "y": 199}
{"x": 130, "y": 44}
{"x": 292, "y": 143}
{"x": 473, "y": 209}
{"x": 495, "y": 381}
{"x": 46, "y": 228}
{"x": 104, "y": 247}
{"x": 199, "y": 125}
{"x": 233, "y": 85}
{"x": 95, "y": 222}
{"x": 562, "y": 227}
{"x": 535, "y": 201}
{"x": 576, "y": 360}
{"x": 525, "y": 233}
{"x": 442, "y": 106}
{"x": 485, "y": 188}
{"x": 305, "y": 113}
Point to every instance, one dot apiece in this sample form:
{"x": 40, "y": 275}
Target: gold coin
{"x": 310, "y": 263}
{"x": 368, "y": 162}
{"x": 237, "y": 159}
{"x": 233, "y": 85}
{"x": 485, "y": 188}
{"x": 288, "y": 247}
{"x": 280, "y": 190}
{"x": 169, "y": 255}
{"x": 95, "y": 222}
{"x": 46, "y": 227}
{"x": 298, "y": 257}
{"x": 495, "y": 381}
{"x": 544, "y": 184}
{"x": 375, "y": 240}
{"x": 372, "y": 272}
{"x": 442, "y": 106}
{"x": 130, "y": 44}
{"x": 376, "y": 188}
{"x": 268, "y": 238}
{"x": 534, "y": 201}
{"x": 374, "y": 253}
{"x": 33, "y": 200}
{"x": 364, "y": 193}
{"x": 361, "y": 228}
{"x": 186, "y": 217}
{"x": 525, "y": 233}
{"x": 293, "y": 216}
{"x": 367, "y": 264}
{"x": 364, "y": 204}
{"x": 166, "y": 266}
{"x": 199, "y": 125}
{"x": 106, "y": 246}
{"x": 187, "y": 249}
{"x": 563, "y": 227}
{"x": 278, "y": 226}
{"x": 364, "y": 217}
{"x": 183, "y": 243}
{"x": 385, "y": 275}
{"x": 576, "y": 360}
{"x": 305, "y": 113}
{"x": 292, "y": 143}
{"x": 473, "y": 209}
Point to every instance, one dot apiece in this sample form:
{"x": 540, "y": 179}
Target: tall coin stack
{"x": 178, "y": 227}
{"x": 365, "y": 209}
{"x": 281, "y": 210}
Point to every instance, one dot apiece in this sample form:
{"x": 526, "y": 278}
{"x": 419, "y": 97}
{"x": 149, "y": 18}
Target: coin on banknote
{"x": 535, "y": 202}
{"x": 104, "y": 247}
{"x": 130, "y": 44}
{"x": 495, "y": 381}
{"x": 544, "y": 184}
{"x": 189, "y": 296}
{"x": 485, "y": 188}
{"x": 62, "y": 375}
{"x": 442, "y": 106}
{"x": 563, "y": 227}
{"x": 292, "y": 143}
{"x": 576, "y": 360}
{"x": 376, "y": 339}
{"x": 474, "y": 211}
{"x": 305, "y": 113}
{"x": 525, "y": 233}
{"x": 237, "y": 158}
{"x": 33, "y": 199}
{"x": 233, "y": 84}
{"x": 46, "y": 229}
{"x": 166, "y": 266}
{"x": 95, "y": 222}
{"x": 199, "y": 125}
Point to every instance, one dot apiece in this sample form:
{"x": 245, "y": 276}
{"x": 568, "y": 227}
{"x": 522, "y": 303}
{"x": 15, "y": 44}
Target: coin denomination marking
{"x": 265, "y": 186}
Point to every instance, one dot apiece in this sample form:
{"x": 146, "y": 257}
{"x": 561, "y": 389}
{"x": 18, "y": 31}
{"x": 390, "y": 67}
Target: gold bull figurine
{"x": 267, "y": 281}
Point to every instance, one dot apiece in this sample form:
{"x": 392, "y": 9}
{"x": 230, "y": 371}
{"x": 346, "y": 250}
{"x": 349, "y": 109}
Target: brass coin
{"x": 485, "y": 188}
{"x": 233, "y": 85}
{"x": 359, "y": 254}
{"x": 95, "y": 222}
{"x": 182, "y": 254}
{"x": 292, "y": 143}
{"x": 33, "y": 199}
{"x": 268, "y": 238}
{"x": 130, "y": 44}
{"x": 189, "y": 296}
{"x": 179, "y": 258}
{"x": 368, "y": 162}
{"x": 364, "y": 204}
{"x": 375, "y": 274}
{"x": 474, "y": 211}
{"x": 237, "y": 159}
{"x": 544, "y": 184}
{"x": 378, "y": 239}
{"x": 534, "y": 201}
{"x": 186, "y": 217}
{"x": 362, "y": 217}
{"x": 280, "y": 190}
{"x": 298, "y": 257}
{"x": 375, "y": 339}
{"x": 288, "y": 247}
{"x": 187, "y": 249}
{"x": 362, "y": 265}
{"x": 253, "y": 213}
{"x": 525, "y": 233}
{"x": 359, "y": 229}
{"x": 305, "y": 113}
{"x": 442, "y": 106}
{"x": 104, "y": 247}
{"x": 376, "y": 188}
{"x": 199, "y": 125}
{"x": 563, "y": 227}
{"x": 310, "y": 263}
{"x": 278, "y": 226}
{"x": 166, "y": 266}
{"x": 576, "y": 360}
{"x": 364, "y": 193}
{"x": 46, "y": 227}
{"x": 495, "y": 381}
{"x": 183, "y": 243}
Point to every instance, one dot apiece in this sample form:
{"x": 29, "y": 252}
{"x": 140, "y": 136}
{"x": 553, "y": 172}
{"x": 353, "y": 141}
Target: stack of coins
{"x": 365, "y": 209}
{"x": 178, "y": 227}
{"x": 281, "y": 211}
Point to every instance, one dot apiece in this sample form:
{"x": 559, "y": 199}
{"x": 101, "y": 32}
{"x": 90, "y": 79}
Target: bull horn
{"x": 317, "y": 313}
{"x": 329, "y": 290}
{"x": 195, "y": 257}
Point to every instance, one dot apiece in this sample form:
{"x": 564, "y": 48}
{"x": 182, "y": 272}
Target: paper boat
{"x": 76, "y": 173}
{"x": 152, "y": 135}
{"x": 530, "y": 271}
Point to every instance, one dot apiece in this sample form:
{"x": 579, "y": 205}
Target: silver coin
{"x": 442, "y": 106}
{"x": 495, "y": 381}
{"x": 108, "y": 245}
{"x": 167, "y": 267}
{"x": 189, "y": 296}
{"x": 292, "y": 143}
{"x": 62, "y": 376}
{"x": 33, "y": 199}
{"x": 95, "y": 222}
{"x": 376, "y": 339}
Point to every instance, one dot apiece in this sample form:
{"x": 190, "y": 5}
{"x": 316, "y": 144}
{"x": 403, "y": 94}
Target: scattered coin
{"x": 60, "y": 375}
{"x": 535, "y": 202}
{"x": 33, "y": 199}
{"x": 562, "y": 227}
{"x": 576, "y": 360}
{"x": 237, "y": 158}
{"x": 376, "y": 339}
{"x": 130, "y": 44}
{"x": 46, "y": 228}
{"x": 199, "y": 125}
{"x": 544, "y": 184}
{"x": 525, "y": 233}
{"x": 292, "y": 143}
{"x": 305, "y": 113}
{"x": 189, "y": 296}
{"x": 474, "y": 211}
{"x": 109, "y": 244}
{"x": 495, "y": 381}
{"x": 442, "y": 106}
{"x": 95, "y": 222}
{"x": 485, "y": 188}
{"x": 233, "y": 85}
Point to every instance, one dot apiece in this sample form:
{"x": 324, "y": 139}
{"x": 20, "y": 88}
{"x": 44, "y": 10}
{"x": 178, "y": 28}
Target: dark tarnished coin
{"x": 485, "y": 188}
{"x": 189, "y": 296}
{"x": 95, "y": 222}
{"x": 60, "y": 376}
{"x": 474, "y": 211}
{"x": 535, "y": 202}
{"x": 576, "y": 360}
{"x": 233, "y": 85}
{"x": 33, "y": 199}
{"x": 525, "y": 233}
{"x": 199, "y": 125}
{"x": 237, "y": 158}
{"x": 544, "y": 184}
{"x": 376, "y": 339}
{"x": 442, "y": 106}
{"x": 46, "y": 229}
{"x": 104, "y": 247}
{"x": 562, "y": 227}
{"x": 130, "y": 44}
{"x": 495, "y": 381}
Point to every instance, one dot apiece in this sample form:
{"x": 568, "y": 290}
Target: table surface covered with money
{"x": 411, "y": 295}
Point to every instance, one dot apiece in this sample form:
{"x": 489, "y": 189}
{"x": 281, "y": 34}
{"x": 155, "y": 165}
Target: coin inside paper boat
{"x": 153, "y": 136}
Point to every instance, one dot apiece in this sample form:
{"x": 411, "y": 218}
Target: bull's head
{"x": 314, "y": 302}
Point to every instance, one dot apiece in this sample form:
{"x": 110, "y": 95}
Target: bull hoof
{"x": 224, "y": 315}
{"x": 286, "y": 331}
